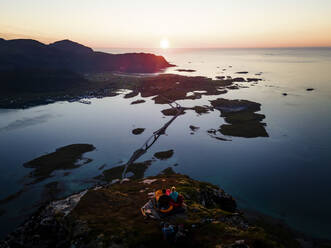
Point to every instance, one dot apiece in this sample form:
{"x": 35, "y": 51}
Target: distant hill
{"x": 71, "y": 47}
{"x": 29, "y": 66}
{"x": 72, "y": 56}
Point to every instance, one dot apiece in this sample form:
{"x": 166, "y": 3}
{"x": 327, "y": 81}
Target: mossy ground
{"x": 113, "y": 213}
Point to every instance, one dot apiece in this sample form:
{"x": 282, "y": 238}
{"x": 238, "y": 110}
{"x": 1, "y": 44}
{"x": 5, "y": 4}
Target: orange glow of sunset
{"x": 186, "y": 23}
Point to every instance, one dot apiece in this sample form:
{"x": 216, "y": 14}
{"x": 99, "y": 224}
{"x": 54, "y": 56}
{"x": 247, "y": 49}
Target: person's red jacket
{"x": 178, "y": 203}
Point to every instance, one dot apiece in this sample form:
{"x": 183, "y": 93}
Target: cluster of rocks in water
{"x": 308, "y": 89}
{"x": 109, "y": 216}
{"x": 241, "y": 118}
{"x": 170, "y": 87}
{"x": 185, "y": 70}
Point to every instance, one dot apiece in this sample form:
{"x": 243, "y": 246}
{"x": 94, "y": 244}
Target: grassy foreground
{"x": 109, "y": 216}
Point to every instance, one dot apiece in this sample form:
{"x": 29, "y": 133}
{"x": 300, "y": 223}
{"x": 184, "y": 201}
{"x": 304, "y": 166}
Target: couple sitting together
{"x": 164, "y": 203}
{"x": 167, "y": 201}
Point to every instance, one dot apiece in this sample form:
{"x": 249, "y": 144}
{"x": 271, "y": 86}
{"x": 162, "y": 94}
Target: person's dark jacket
{"x": 164, "y": 202}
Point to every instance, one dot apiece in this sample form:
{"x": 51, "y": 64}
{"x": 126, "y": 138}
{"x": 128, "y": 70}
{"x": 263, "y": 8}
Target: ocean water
{"x": 286, "y": 175}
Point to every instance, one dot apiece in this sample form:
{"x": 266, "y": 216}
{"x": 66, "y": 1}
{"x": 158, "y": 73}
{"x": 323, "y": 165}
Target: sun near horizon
{"x": 164, "y": 43}
{"x": 187, "y": 24}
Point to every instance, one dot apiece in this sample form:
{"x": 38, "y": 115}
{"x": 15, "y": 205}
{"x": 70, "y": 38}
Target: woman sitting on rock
{"x": 174, "y": 194}
{"x": 176, "y": 200}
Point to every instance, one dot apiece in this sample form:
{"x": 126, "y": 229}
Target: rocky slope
{"x": 109, "y": 216}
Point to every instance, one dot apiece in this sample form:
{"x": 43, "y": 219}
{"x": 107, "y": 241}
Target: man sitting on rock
{"x": 164, "y": 200}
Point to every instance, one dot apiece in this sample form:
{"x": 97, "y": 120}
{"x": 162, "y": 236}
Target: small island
{"x": 64, "y": 158}
{"x": 164, "y": 154}
{"x": 138, "y": 131}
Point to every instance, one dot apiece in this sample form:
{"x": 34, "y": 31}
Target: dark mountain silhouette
{"x": 31, "y": 66}
{"x": 69, "y": 55}
{"x": 71, "y": 47}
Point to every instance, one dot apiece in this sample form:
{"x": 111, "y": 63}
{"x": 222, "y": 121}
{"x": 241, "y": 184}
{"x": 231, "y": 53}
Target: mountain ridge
{"x": 70, "y": 55}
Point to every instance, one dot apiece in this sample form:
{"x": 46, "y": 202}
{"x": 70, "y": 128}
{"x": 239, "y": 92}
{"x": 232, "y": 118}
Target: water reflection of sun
{"x": 164, "y": 43}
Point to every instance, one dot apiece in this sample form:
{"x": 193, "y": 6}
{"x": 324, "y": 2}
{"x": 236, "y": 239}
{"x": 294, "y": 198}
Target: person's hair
{"x": 173, "y": 189}
{"x": 164, "y": 191}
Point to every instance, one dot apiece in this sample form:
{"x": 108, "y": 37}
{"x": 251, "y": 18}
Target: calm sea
{"x": 287, "y": 175}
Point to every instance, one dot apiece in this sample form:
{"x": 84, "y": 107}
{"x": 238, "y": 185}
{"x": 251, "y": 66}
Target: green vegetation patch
{"x": 112, "y": 214}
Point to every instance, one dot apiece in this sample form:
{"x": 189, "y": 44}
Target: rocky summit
{"x": 110, "y": 216}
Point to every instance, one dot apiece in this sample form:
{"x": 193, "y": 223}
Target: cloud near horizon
{"x": 186, "y": 24}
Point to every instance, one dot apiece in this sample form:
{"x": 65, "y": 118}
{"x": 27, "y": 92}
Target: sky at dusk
{"x": 184, "y": 23}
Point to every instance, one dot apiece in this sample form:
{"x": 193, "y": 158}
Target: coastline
{"x": 99, "y": 85}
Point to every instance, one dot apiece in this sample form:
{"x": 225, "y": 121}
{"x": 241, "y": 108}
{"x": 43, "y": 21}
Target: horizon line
{"x": 170, "y": 48}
